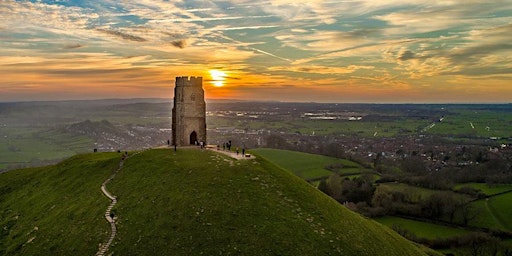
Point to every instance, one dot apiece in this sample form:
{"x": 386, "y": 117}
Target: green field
{"x": 362, "y": 128}
{"x": 485, "y": 218}
{"x": 20, "y": 146}
{"x": 486, "y": 189}
{"x": 304, "y": 165}
{"x": 501, "y": 207}
{"x": 416, "y": 193}
{"x": 483, "y": 123}
{"x": 188, "y": 202}
{"x": 55, "y": 210}
{"x": 422, "y": 229}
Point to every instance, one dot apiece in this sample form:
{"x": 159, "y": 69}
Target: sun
{"x": 218, "y": 77}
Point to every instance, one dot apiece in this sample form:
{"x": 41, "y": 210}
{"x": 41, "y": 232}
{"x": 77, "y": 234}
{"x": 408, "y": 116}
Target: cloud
{"x": 72, "y": 46}
{"x": 316, "y": 69}
{"x": 122, "y": 35}
{"x": 179, "y": 43}
{"x": 406, "y": 55}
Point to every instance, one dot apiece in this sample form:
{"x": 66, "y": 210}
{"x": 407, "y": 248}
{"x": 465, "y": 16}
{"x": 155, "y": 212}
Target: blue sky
{"x": 324, "y": 51}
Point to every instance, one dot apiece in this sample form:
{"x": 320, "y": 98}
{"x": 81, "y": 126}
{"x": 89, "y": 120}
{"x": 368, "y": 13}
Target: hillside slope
{"x": 188, "y": 202}
{"x": 55, "y": 210}
{"x": 194, "y": 202}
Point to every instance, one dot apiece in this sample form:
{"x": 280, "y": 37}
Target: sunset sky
{"x": 324, "y": 51}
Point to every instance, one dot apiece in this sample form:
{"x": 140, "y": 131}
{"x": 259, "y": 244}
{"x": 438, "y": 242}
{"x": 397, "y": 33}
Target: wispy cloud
{"x": 421, "y": 48}
{"x": 123, "y": 35}
{"x": 72, "y": 46}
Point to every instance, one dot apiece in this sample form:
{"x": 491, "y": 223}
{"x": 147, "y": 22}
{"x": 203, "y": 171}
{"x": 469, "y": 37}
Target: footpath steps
{"x": 111, "y": 219}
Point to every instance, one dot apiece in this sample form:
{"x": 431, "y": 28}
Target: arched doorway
{"x": 193, "y": 138}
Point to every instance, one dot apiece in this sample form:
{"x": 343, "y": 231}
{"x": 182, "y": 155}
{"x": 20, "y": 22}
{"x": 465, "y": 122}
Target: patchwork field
{"x": 304, "y": 165}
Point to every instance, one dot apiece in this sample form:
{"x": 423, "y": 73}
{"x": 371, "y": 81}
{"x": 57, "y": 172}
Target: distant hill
{"x": 188, "y": 202}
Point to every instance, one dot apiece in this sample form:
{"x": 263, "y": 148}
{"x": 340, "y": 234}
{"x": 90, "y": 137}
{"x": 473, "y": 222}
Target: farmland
{"x": 422, "y": 229}
{"x": 304, "y": 165}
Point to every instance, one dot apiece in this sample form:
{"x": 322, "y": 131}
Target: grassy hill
{"x": 188, "y": 202}
{"x": 55, "y": 210}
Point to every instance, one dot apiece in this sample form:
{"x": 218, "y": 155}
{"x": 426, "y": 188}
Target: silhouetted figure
{"x": 174, "y": 147}
{"x": 168, "y": 142}
{"x": 95, "y": 150}
{"x": 243, "y": 152}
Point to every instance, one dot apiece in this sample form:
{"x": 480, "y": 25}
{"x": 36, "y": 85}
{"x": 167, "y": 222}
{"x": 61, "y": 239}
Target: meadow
{"x": 422, "y": 229}
{"x": 23, "y": 146}
{"x": 305, "y": 165}
{"x": 416, "y": 194}
{"x": 55, "y": 210}
{"x": 485, "y": 188}
{"x": 185, "y": 202}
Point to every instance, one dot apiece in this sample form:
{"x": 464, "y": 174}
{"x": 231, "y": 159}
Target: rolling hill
{"x": 189, "y": 202}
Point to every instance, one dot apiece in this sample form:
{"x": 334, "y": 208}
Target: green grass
{"x": 193, "y": 202}
{"x": 494, "y": 213}
{"x": 486, "y": 189}
{"x": 422, "y": 229}
{"x": 362, "y": 128}
{"x": 501, "y": 207}
{"x": 374, "y": 176}
{"x": 188, "y": 202}
{"x": 485, "y": 217}
{"x": 21, "y": 146}
{"x": 486, "y": 123}
{"x": 304, "y": 165}
{"x": 55, "y": 210}
{"x": 416, "y": 193}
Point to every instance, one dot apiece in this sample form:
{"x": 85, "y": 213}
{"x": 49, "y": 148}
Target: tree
{"x": 468, "y": 211}
{"x": 383, "y": 198}
{"x": 481, "y": 244}
{"x": 433, "y": 206}
{"x": 324, "y": 187}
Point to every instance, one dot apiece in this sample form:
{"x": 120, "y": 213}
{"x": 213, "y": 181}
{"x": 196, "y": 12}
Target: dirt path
{"x": 110, "y": 218}
{"x": 232, "y": 154}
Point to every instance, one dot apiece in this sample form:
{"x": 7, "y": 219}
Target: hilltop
{"x": 188, "y": 202}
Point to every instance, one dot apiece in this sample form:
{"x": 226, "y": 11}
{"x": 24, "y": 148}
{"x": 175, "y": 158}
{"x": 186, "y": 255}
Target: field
{"x": 501, "y": 207}
{"x": 188, "y": 202}
{"x": 477, "y": 122}
{"x": 21, "y": 146}
{"x": 422, "y": 229}
{"x": 328, "y": 127}
{"x": 416, "y": 194}
{"x": 486, "y": 189}
{"x": 304, "y": 165}
{"x": 485, "y": 217}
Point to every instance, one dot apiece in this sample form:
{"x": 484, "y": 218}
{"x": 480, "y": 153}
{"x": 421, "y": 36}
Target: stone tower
{"x": 188, "y": 112}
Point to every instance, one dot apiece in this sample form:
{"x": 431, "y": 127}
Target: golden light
{"x": 218, "y": 77}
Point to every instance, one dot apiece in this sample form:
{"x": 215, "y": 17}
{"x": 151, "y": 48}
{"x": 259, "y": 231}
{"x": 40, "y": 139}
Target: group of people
{"x": 227, "y": 145}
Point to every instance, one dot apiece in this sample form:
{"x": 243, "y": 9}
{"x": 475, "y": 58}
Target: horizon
{"x": 361, "y": 51}
{"x": 170, "y": 100}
